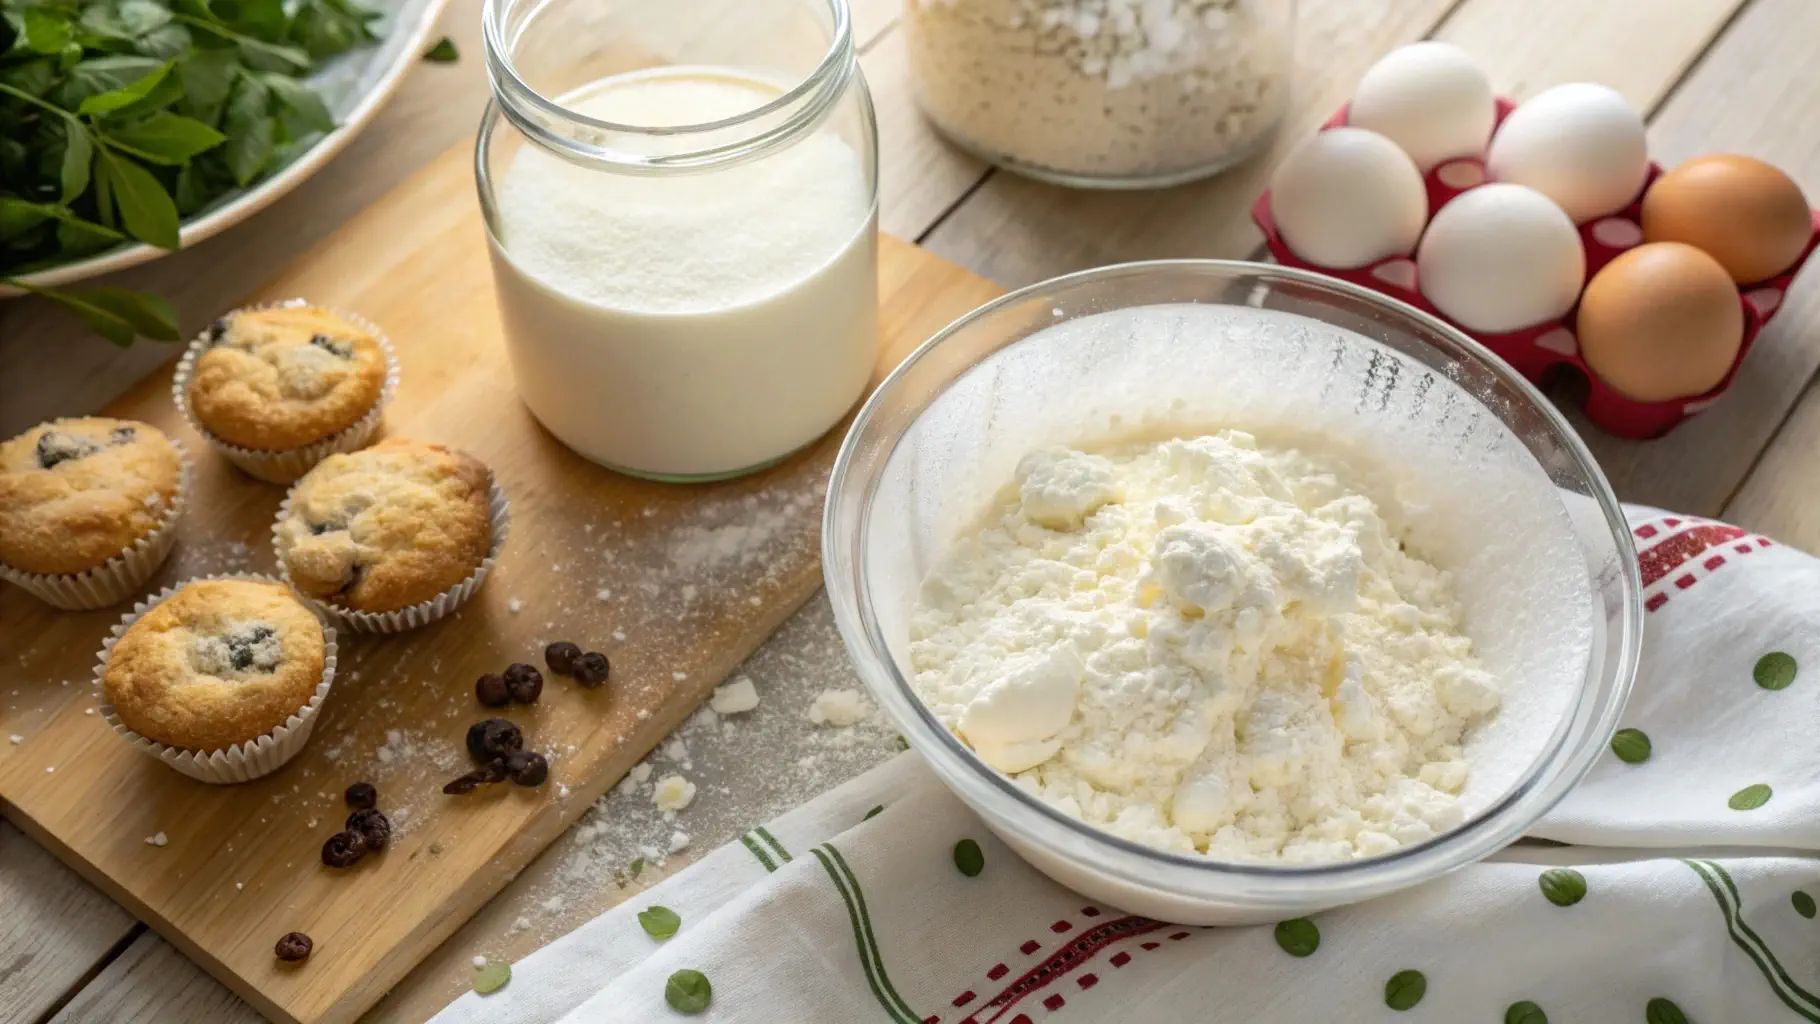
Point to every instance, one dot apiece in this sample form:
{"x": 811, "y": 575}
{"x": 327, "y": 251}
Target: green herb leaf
{"x": 1405, "y": 989}
{"x": 166, "y": 43}
{"x": 659, "y": 922}
{"x": 1631, "y": 745}
{"x": 249, "y": 128}
{"x": 492, "y": 978}
{"x": 207, "y": 76}
{"x": 1804, "y": 904}
{"x": 1525, "y": 1012}
{"x": 126, "y": 95}
{"x": 42, "y": 30}
{"x": 152, "y": 316}
{"x": 1663, "y": 1011}
{"x": 18, "y": 216}
{"x": 305, "y": 110}
{"x": 78, "y": 154}
{"x": 166, "y": 137}
{"x": 100, "y": 75}
{"x": 443, "y": 52}
{"x": 688, "y": 991}
{"x": 80, "y": 237}
{"x": 1298, "y": 936}
{"x": 902, "y": 744}
{"x": 145, "y": 207}
{"x": 968, "y": 858}
{"x": 1774, "y": 671}
{"x": 637, "y": 865}
{"x": 1564, "y": 887}
{"x": 873, "y": 813}
{"x": 1750, "y": 797}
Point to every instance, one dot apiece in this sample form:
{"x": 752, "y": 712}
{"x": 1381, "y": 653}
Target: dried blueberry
{"x": 485, "y": 775}
{"x": 591, "y": 669}
{"x": 560, "y": 656}
{"x": 527, "y": 768}
{"x": 293, "y": 948}
{"x": 218, "y": 331}
{"x": 344, "y": 349}
{"x": 491, "y": 690}
{"x": 56, "y": 447}
{"x": 524, "y": 682}
{"x": 248, "y": 648}
{"x": 373, "y": 826}
{"x": 492, "y": 739}
{"x": 122, "y": 435}
{"x": 362, "y": 795}
{"x": 343, "y": 849}
{"x": 326, "y": 526}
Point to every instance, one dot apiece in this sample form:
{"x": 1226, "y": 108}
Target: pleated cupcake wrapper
{"x": 286, "y": 466}
{"x": 114, "y": 580}
{"x": 242, "y": 762}
{"x": 418, "y": 614}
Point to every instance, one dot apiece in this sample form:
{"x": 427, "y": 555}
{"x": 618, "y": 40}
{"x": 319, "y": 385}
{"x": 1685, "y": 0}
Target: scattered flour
{"x": 157, "y": 840}
{"x": 673, "y": 793}
{"x": 839, "y": 708}
{"x": 730, "y": 698}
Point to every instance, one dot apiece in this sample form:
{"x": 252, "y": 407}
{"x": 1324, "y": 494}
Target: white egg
{"x": 1432, "y": 99}
{"x": 1346, "y": 198}
{"x": 1501, "y": 257}
{"x": 1580, "y": 144}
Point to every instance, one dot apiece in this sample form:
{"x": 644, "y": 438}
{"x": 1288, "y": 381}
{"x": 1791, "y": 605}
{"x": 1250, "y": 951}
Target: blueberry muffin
{"x": 76, "y": 493}
{"x": 284, "y": 377}
{"x": 386, "y": 528}
{"x": 219, "y": 662}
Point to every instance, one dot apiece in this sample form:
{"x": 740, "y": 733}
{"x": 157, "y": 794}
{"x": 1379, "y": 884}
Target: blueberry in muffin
{"x": 75, "y": 493}
{"x": 219, "y": 662}
{"x": 284, "y": 377}
{"x": 386, "y": 528}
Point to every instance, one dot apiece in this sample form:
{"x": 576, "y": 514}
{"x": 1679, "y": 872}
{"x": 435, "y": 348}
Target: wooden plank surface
{"x": 151, "y": 983}
{"x": 239, "y": 868}
{"x": 56, "y": 932}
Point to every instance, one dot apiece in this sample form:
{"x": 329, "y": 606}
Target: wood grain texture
{"x": 56, "y": 930}
{"x": 920, "y": 175}
{"x": 151, "y": 983}
{"x": 241, "y": 865}
{"x": 1015, "y": 231}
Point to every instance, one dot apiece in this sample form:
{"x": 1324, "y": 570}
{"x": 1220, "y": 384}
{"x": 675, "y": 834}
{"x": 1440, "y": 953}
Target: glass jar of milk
{"x": 682, "y": 202}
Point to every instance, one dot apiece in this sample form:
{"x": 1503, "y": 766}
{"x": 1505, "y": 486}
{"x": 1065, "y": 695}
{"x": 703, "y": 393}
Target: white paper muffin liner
{"x": 418, "y": 614}
{"x": 286, "y": 466}
{"x": 241, "y": 762}
{"x": 114, "y": 580}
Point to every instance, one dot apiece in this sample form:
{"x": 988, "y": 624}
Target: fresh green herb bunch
{"x": 118, "y": 118}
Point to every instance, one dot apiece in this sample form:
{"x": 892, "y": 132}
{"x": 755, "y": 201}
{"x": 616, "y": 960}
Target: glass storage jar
{"x": 1104, "y": 93}
{"x": 682, "y": 203}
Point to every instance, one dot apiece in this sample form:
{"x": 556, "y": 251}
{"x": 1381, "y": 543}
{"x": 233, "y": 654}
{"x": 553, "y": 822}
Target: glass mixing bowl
{"x": 1494, "y": 484}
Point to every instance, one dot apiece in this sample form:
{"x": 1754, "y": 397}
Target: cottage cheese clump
{"x": 1204, "y": 645}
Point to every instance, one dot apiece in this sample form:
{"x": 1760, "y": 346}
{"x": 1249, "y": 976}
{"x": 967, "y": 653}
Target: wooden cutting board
{"x": 677, "y": 584}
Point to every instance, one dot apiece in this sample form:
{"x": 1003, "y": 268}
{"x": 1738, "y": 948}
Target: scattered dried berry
{"x": 293, "y": 948}
{"x": 373, "y": 826}
{"x": 492, "y": 739}
{"x": 491, "y": 690}
{"x": 362, "y": 795}
{"x": 485, "y": 775}
{"x": 527, "y": 768}
{"x": 343, "y": 849}
{"x": 524, "y": 682}
{"x": 591, "y": 669}
{"x": 560, "y": 656}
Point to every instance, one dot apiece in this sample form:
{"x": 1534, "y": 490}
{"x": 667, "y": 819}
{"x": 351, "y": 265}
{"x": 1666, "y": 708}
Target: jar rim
{"x": 800, "y": 108}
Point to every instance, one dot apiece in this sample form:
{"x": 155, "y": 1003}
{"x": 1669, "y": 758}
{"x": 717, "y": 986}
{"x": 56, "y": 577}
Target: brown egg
{"x": 1746, "y": 214}
{"x": 1661, "y": 321}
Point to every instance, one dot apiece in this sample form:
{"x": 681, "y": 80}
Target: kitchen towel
{"x": 1689, "y": 893}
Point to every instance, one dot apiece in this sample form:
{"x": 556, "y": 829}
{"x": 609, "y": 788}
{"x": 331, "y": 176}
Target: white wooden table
{"x": 1713, "y": 75}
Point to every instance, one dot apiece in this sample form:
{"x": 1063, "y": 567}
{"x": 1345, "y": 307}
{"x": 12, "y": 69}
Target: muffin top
{"x": 75, "y": 493}
{"x": 219, "y": 662}
{"x": 388, "y": 527}
{"x": 280, "y": 378}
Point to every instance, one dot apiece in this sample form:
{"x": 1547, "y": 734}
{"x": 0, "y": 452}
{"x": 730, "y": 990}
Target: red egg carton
{"x": 1539, "y": 351}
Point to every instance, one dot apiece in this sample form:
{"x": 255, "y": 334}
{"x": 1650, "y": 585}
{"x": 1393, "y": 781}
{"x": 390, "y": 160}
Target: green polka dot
{"x": 1631, "y": 746}
{"x": 1804, "y": 904}
{"x": 1405, "y": 989}
{"x": 1774, "y": 671}
{"x": 1298, "y": 937}
{"x": 1564, "y": 887}
{"x": 1525, "y": 1012}
{"x": 1749, "y": 798}
{"x": 1663, "y": 1011}
{"x": 968, "y": 858}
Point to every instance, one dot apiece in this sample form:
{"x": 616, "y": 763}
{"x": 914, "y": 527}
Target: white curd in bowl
{"x": 687, "y": 325}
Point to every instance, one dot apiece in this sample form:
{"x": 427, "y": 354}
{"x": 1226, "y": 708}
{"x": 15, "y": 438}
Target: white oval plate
{"x": 354, "y": 85}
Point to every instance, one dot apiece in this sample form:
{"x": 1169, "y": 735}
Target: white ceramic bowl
{"x": 1493, "y": 480}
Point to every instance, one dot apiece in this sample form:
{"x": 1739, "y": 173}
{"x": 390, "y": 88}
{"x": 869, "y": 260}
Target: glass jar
{"x": 682, "y": 205}
{"x": 1104, "y": 93}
